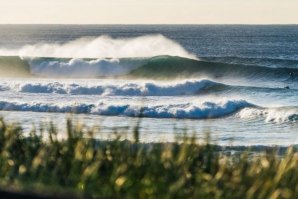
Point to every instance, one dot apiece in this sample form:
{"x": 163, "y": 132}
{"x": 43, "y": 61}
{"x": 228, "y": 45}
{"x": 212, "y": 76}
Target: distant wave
{"x": 189, "y": 87}
{"x": 255, "y": 61}
{"x": 183, "y": 111}
{"x": 159, "y": 67}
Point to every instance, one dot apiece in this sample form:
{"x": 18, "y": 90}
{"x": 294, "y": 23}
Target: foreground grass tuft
{"x": 86, "y": 167}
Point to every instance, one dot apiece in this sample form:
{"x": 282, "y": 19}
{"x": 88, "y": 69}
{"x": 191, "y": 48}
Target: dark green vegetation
{"x": 114, "y": 169}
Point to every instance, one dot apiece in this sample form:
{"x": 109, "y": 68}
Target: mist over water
{"x": 212, "y": 78}
{"x": 103, "y": 47}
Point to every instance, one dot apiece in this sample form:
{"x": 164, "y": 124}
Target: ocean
{"x": 237, "y": 83}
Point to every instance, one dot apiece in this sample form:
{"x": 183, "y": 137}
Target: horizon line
{"x": 147, "y": 24}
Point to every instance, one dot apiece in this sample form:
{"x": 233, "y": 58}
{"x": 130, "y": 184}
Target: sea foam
{"x": 275, "y": 115}
{"x": 189, "y": 87}
{"x": 79, "y": 67}
{"x": 201, "y": 110}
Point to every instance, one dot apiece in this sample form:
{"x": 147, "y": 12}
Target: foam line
{"x": 183, "y": 111}
{"x": 189, "y": 87}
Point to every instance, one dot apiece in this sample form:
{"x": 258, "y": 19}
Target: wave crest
{"x": 182, "y": 111}
{"x": 103, "y": 47}
{"x": 80, "y": 67}
{"x": 189, "y": 87}
{"x": 159, "y": 67}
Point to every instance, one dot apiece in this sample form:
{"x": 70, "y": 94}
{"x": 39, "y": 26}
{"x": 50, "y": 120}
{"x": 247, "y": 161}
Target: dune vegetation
{"x": 85, "y": 167}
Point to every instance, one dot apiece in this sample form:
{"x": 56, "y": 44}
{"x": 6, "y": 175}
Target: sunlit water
{"x": 256, "y": 105}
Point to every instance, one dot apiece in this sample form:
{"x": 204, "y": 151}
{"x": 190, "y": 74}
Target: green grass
{"x": 115, "y": 169}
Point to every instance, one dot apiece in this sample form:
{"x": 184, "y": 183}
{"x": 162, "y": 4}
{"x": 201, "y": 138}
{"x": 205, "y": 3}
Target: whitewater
{"x": 173, "y": 77}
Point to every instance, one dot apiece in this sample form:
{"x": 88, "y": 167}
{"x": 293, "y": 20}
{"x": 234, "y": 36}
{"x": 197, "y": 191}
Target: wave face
{"x": 103, "y": 47}
{"x": 163, "y": 66}
{"x": 189, "y": 87}
{"x": 153, "y": 68}
{"x": 184, "y": 111}
{"x": 14, "y": 66}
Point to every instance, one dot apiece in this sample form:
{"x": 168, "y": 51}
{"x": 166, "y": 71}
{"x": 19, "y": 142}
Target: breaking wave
{"x": 277, "y": 115}
{"x": 204, "y": 110}
{"x": 103, "y": 47}
{"x": 154, "y": 67}
{"x": 82, "y": 68}
{"x": 182, "y": 111}
{"x": 189, "y": 87}
{"x": 151, "y": 56}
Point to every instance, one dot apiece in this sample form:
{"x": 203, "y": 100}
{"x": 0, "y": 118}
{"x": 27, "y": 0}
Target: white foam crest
{"x": 277, "y": 115}
{"x": 79, "y": 67}
{"x": 189, "y": 87}
{"x": 104, "y": 47}
{"x": 44, "y": 107}
{"x": 183, "y": 111}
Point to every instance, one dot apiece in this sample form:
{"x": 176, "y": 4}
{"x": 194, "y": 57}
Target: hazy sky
{"x": 149, "y": 11}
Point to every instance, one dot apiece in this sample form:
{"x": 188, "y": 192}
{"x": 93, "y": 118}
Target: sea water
{"x": 237, "y": 83}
